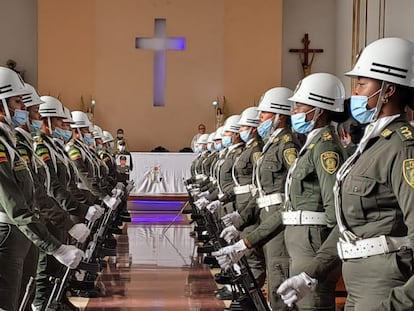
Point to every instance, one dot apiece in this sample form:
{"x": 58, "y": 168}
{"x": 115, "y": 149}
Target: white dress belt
{"x": 201, "y": 177}
{"x": 298, "y": 218}
{"x": 270, "y": 199}
{"x": 372, "y": 246}
{"x": 243, "y": 189}
{"x": 5, "y": 219}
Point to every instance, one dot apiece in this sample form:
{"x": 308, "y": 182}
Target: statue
{"x": 11, "y": 64}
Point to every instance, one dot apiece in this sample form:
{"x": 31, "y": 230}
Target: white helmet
{"x": 51, "y": 107}
{"x": 219, "y": 133}
{"x": 107, "y": 137}
{"x": 322, "y": 90}
{"x": 97, "y": 132}
{"x": 11, "y": 84}
{"x": 32, "y": 97}
{"x": 211, "y": 137}
{"x": 203, "y": 139}
{"x": 387, "y": 59}
{"x": 68, "y": 116}
{"x": 276, "y": 100}
{"x": 250, "y": 117}
{"x": 232, "y": 124}
{"x": 81, "y": 119}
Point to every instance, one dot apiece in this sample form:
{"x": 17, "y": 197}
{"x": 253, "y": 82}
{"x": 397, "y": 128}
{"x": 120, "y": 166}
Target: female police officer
{"x": 374, "y": 190}
{"x": 310, "y": 213}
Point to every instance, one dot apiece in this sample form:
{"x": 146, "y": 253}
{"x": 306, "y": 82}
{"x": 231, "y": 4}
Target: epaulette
{"x": 275, "y": 139}
{"x": 405, "y": 133}
{"x": 327, "y": 136}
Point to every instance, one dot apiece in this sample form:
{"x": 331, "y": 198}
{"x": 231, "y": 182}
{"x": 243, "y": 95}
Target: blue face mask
{"x": 66, "y": 135}
{"x": 20, "y": 117}
{"x": 210, "y": 147}
{"x": 111, "y": 145}
{"x": 99, "y": 147}
{"x": 227, "y": 141}
{"x": 245, "y": 135}
{"x": 359, "y": 108}
{"x": 35, "y": 126}
{"x": 218, "y": 146}
{"x": 88, "y": 139}
{"x": 199, "y": 149}
{"x": 265, "y": 128}
{"x": 299, "y": 123}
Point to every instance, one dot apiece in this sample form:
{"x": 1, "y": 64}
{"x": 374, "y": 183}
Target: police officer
{"x": 309, "y": 214}
{"x": 374, "y": 190}
{"x": 278, "y": 154}
{"x": 19, "y": 225}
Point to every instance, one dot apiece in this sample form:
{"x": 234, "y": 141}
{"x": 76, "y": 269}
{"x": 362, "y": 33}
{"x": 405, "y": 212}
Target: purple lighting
{"x": 160, "y": 43}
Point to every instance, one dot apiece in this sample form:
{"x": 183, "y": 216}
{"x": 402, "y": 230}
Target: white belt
{"x": 269, "y": 200}
{"x": 243, "y": 189}
{"x": 372, "y": 246}
{"x": 303, "y": 218}
{"x": 82, "y": 186}
{"x": 5, "y": 219}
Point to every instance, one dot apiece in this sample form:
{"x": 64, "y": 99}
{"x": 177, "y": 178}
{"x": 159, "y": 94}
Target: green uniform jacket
{"x": 58, "y": 190}
{"x": 314, "y": 176}
{"x": 273, "y": 166}
{"x": 377, "y": 199}
{"x": 16, "y": 203}
{"x": 48, "y": 209}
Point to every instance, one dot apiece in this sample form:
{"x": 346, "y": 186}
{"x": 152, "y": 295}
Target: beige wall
{"x": 88, "y": 48}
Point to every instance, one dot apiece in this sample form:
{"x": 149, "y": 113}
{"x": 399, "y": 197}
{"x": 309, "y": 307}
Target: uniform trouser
{"x": 14, "y": 246}
{"x": 48, "y": 267}
{"x": 369, "y": 280}
{"x": 277, "y": 260}
{"x": 29, "y": 270}
{"x": 302, "y": 243}
{"x": 255, "y": 257}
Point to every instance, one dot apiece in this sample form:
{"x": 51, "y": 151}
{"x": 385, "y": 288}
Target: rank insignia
{"x": 408, "y": 171}
{"x": 406, "y": 132}
{"x": 386, "y": 133}
{"x": 3, "y": 156}
{"x": 256, "y": 156}
{"x": 310, "y": 146}
{"x": 327, "y": 136}
{"x": 275, "y": 139}
{"x": 286, "y": 138}
{"x": 290, "y": 155}
{"x": 330, "y": 161}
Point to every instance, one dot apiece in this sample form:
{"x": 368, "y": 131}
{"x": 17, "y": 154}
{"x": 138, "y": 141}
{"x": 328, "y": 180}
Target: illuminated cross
{"x": 160, "y": 44}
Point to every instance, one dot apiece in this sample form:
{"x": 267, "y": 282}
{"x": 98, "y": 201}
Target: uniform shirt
{"x": 16, "y": 203}
{"x": 313, "y": 176}
{"x": 277, "y": 157}
{"x": 245, "y": 163}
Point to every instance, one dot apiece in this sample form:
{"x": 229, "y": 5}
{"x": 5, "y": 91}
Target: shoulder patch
{"x": 290, "y": 155}
{"x": 405, "y": 133}
{"x": 256, "y": 156}
{"x": 408, "y": 172}
{"x": 74, "y": 154}
{"x": 326, "y": 136}
{"x": 43, "y": 153}
{"x": 330, "y": 161}
{"x": 3, "y": 155}
{"x": 386, "y": 133}
{"x": 287, "y": 138}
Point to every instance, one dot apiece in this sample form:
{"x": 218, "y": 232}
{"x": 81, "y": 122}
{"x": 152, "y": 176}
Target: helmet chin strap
{"x": 276, "y": 122}
{"x": 7, "y": 118}
{"x": 49, "y": 125}
{"x": 380, "y": 103}
{"x": 79, "y": 133}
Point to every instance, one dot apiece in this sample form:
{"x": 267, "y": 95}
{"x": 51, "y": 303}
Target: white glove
{"x": 229, "y": 255}
{"x": 69, "y": 255}
{"x": 129, "y": 187}
{"x": 111, "y": 202}
{"x": 230, "y": 219}
{"x": 212, "y": 206}
{"x": 296, "y": 287}
{"x": 120, "y": 186}
{"x": 230, "y": 234}
{"x": 94, "y": 212}
{"x": 116, "y": 192}
{"x": 201, "y": 203}
{"x": 203, "y": 194}
{"x": 80, "y": 232}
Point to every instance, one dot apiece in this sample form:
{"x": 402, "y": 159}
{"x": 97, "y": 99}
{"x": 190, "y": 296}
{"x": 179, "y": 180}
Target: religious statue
{"x": 304, "y": 55}
{"x": 219, "y": 117}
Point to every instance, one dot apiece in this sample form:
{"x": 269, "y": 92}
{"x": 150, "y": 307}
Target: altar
{"x": 160, "y": 173}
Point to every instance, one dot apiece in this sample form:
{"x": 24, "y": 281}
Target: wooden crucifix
{"x": 304, "y": 55}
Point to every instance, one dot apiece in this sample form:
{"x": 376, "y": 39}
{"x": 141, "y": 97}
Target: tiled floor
{"x": 162, "y": 275}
